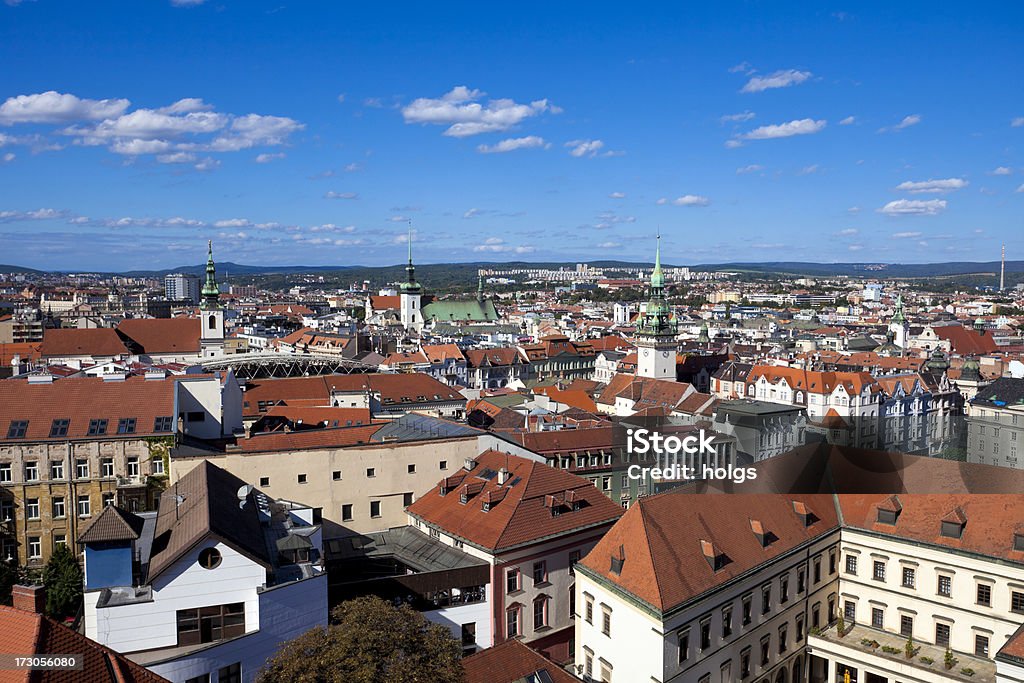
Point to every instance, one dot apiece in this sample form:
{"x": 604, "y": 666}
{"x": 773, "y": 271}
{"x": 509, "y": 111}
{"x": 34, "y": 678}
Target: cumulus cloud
{"x": 848, "y": 120}
{"x": 737, "y": 118}
{"x": 779, "y": 79}
{"x": 584, "y": 148}
{"x": 691, "y": 200}
{"x": 906, "y": 122}
{"x": 914, "y": 207}
{"x": 1002, "y": 170}
{"x": 785, "y": 130}
{"x": 8, "y": 157}
{"x": 55, "y": 107}
{"x": 35, "y": 215}
{"x": 1020, "y": 189}
{"x": 847, "y": 232}
{"x": 267, "y": 157}
{"x": 932, "y": 186}
{"x": 176, "y": 158}
{"x": 341, "y": 195}
{"x": 617, "y": 195}
{"x": 608, "y": 219}
{"x": 461, "y": 111}
{"x": 1017, "y": 122}
{"x": 208, "y": 164}
{"x": 750, "y": 168}
{"x": 512, "y": 144}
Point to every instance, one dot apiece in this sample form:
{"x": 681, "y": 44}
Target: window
{"x": 301, "y": 478}
{"x": 727, "y": 621}
{"x": 346, "y": 512}
{"x": 816, "y": 615}
{"x": 204, "y": 678}
{"x": 230, "y": 674}
{"x": 745, "y": 662}
{"x": 683, "y": 640}
{"x": 442, "y": 465}
{"x": 264, "y": 481}
{"x": 877, "y": 617}
{"x": 133, "y": 467}
{"x": 5, "y": 471}
{"x": 801, "y": 581}
{"x": 196, "y": 416}
{"x": 97, "y": 427}
{"x": 32, "y": 508}
{"x": 84, "y": 506}
{"x": 909, "y": 577}
{"x": 209, "y": 624}
{"x": 1017, "y": 601}
{"x": 588, "y": 666}
{"x": 82, "y": 469}
{"x": 766, "y": 644}
{"x": 942, "y": 635}
{"x": 58, "y": 507}
{"x": 469, "y": 634}
{"x": 540, "y": 613}
{"x": 984, "y": 595}
{"x": 374, "y": 508}
{"x": 766, "y": 599}
{"x": 783, "y": 639}
{"x": 832, "y": 562}
{"x": 850, "y": 611}
{"x": 799, "y": 627}
{"x": 126, "y": 425}
{"x": 746, "y": 610}
{"x": 574, "y": 557}
{"x": 851, "y": 564}
{"x": 57, "y": 469}
{"x": 981, "y": 645}
{"x": 606, "y": 620}
{"x": 411, "y": 469}
{"x": 406, "y": 499}
{"x": 906, "y": 625}
{"x": 59, "y": 540}
{"x": 784, "y": 590}
{"x": 513, "y": 580}
{"x": 512, "y": 622}
{"x": 817, "y": 570}
{"x": 32, "y": 471}
{"x": 878, "y": 574}
{"x": 371, "y": 472}
{"x": 945, "y": 586}
{"x": 163, "y": 423}
{"x": 107, "y": 467}
{"x": 540, "y": 572}
{"x": 705, "y": 633}
{"x": 107, "y": 498}
{"x": 35, "y": 548}
{"x": 17, "y": 429}
{"x": 606, "y": 672}
{"x": 336, "y": 475}
{"x": 59, "y": 427}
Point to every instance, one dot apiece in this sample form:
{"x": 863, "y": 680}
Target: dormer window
{"x": 953, "y": 523}
{"x": 889, "y": 510}
{"x": 1018, "y": 541}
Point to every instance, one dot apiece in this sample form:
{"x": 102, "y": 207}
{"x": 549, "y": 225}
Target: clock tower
{"x": 211, "y": 315}
{"x": 411, "y": 296}
{"x": 656, "y": 334}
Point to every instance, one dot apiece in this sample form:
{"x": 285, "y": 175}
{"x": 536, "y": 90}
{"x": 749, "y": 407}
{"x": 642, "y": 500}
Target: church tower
{"x": 898, "y": 326}
{"x": 211, "y": 315}
{"x": 410, "y": 310}
{"x": 656, "y": 335}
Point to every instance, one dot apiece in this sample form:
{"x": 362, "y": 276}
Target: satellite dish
{"x": 1016, "y": 369}
{"x": 244, "y": 491}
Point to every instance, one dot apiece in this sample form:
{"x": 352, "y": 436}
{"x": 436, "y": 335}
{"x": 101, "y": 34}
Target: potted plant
{"x": 841, "y": 626}
{"x": 909, "y": 648}
{"x": 950, "y": 660}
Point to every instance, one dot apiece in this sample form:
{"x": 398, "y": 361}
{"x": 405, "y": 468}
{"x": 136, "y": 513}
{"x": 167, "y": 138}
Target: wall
{"x": 108, "y": 565}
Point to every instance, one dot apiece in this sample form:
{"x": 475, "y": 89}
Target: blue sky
{"x": 311, "y": 133}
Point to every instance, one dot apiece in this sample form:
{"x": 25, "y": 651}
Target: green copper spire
{"x": 480, "y": 288}
{"x": 656, "y": 320}
{"x": 657, "y": 277}
{"x": 211, "y": 292}
{"x": 897, "y": 316}
{"x": 410, "y": 285}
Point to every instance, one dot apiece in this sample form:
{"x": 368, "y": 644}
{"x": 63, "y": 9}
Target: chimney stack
{"x": 29, "y": 598}
{"x": 502, "y": 476}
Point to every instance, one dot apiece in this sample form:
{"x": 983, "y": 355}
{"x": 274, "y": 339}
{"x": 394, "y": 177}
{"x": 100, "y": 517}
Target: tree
{"x": 8, "y": 579}
{"x": 62, "y": 578}
{"x": 369, "y": 640}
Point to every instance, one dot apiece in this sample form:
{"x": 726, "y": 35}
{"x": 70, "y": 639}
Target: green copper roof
{"x": 460, "y": 311}
{"x": 211, "y": 292}
{"x": 657, "y": 277}
{"x": 410, "y": 285}
{"x": 897, "y": 316}
{"x": 656, "y": 320}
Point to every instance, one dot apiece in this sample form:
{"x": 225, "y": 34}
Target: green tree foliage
{"x": 62, "y": 578}
{"x": 369, "y": 640}
{"x": 8, "y": 578}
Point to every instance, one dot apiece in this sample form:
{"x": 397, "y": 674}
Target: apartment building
{"x": 70, "y": 447}
{"x": 995, "y": 424}
{"x": 531, "y": 523}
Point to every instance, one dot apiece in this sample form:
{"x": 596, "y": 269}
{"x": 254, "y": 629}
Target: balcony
{"x": 133, "y": 481}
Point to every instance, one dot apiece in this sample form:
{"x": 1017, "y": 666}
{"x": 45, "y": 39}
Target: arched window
{"x": 212, "y": 324}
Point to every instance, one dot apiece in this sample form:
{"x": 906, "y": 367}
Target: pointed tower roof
{"x": 410, "y": 286}
{"x": 897, "y": 316}
{"x": 211, "y": 291}
{"x": 657, "y": 277}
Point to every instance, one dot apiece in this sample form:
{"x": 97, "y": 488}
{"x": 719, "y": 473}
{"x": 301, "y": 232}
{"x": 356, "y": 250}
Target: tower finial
{"x": 408, "y": 240}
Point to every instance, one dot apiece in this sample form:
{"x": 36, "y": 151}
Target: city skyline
{"x": 314, "y": 135}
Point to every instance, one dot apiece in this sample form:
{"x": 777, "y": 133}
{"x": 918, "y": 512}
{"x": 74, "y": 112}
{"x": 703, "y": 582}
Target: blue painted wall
{"x": 108, "y": 564}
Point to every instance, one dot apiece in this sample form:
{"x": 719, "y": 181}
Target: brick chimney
{"x": 29, "y": 598}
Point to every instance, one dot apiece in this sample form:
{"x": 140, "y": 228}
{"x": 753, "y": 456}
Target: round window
{"x": 209, "y": 558}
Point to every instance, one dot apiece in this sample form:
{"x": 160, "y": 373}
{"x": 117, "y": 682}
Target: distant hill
{"x": 5, "y": 268}
{"x": 880, "y": 270}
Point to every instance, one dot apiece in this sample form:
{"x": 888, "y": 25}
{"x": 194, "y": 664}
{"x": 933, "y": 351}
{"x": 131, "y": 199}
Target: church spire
{"x": 410, "y": 285}
{"x": 211, "y": 291}
{"x": 656, "y": 320}
{"x": 480, "y": 288}
{"x": 657, "y": 277}
{"x": 897, "y": 316}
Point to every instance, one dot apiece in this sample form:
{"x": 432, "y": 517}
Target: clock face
{"x": 664, "y": 354}
{"x": 647, "y": 352}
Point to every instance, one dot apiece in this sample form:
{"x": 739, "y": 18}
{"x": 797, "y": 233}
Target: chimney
{"x": 502, "y": 476}
{"x": 29, "y": 598}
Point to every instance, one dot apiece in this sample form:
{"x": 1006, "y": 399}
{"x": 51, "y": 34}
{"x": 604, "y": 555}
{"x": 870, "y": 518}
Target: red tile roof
{"x": 812, "y": 381}
{"x": 477, "y": 358}
{"x": 385, "y": 302}
{"x": 74, "y": 342}
{"x": 273, "y": 442}
{"x": 25, "y": 350}
{"x": 566, "y": 441}
{"x": 81, "y": 399}
{"x": 163, "y": 335}
{"x": 439, "y": 353}
{"x": 27, "y": 633}
{"x": 511, "y": 662}
{"x": 524, "y": 515}
{"x": 966, "y": 342}
{"x": 394, "y": 389}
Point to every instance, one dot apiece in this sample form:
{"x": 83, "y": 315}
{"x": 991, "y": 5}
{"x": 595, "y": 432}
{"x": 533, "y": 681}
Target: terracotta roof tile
{"x": 74, "y": 342}
{"x": 511, "y": 662}
{"x": 163, "y": 335}
{"x": 112, "y": 524}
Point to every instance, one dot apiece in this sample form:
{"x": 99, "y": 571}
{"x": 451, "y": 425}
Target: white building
{"x": 182, "y": 287}
{"x": 208, "y": 588}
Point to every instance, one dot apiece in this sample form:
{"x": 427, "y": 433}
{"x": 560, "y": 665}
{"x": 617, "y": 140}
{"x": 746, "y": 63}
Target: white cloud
{"x": 853, "y": 209}
{"x": 36, "y": 215}
{"x": 150, "y": 124}
{"x": 907, "y": 122}
{"x": 780, "y": 79}
{"x": 399, "y": 219}
{"x": 914, "y": 207}
{"x": 742, "y": 67}
{"x": 608, "y": 245}
{"x": 9, "y": 157}
{"x": 331, "y": 227}
{"x": 1021, "y": 188}
{"x": 460, "y": 110}
{"x": 1002, "y": 170}
{"x": 497, "y": 245}
{"x": 353, "y": 167}
{"x": 1017, "y": 122}
{"x": 186, "y": 106}
{"x": 512, "y": 144}
{"x": 176, "y": 158}
{"x": 905, "y": 235}
{"x": 785, "y": 130}
{"x": 848, "y": 120}
{"x": 855, "y": 247}
{"x": 254, "y": 129}
{"x": 737, "y": 118}
{"x": 187, "y": 3}
{"x": 134, "y": 147}
{"x": 661, "y": 201}
{"x": 932, "y": 186}
{"x": 341, "y": 195}
{"x": 847, "y": 232}
{"x": 54, "y": 107}
{"x": 617, "y": 195}
{"x": 691, "y": 200}
{"x": 472, "y": 213}
{"x": 341, "y": 98}
{"x": 581, "y": 148}
{"x": 267, "y": 157}
{"x": 208, "y": 164}
{"x": 808, "y": 170}
{"x": 233, "y": 223}
{"x": 750, "y": 168}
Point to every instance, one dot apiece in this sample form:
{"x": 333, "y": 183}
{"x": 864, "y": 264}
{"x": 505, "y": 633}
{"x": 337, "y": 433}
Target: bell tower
{"x": 410, "y": 299}
{"x": 211, "y": 315}
{"x": 656, "y": 334}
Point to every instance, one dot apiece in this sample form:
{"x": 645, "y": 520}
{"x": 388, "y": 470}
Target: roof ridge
{"x": 647, "y": 541}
